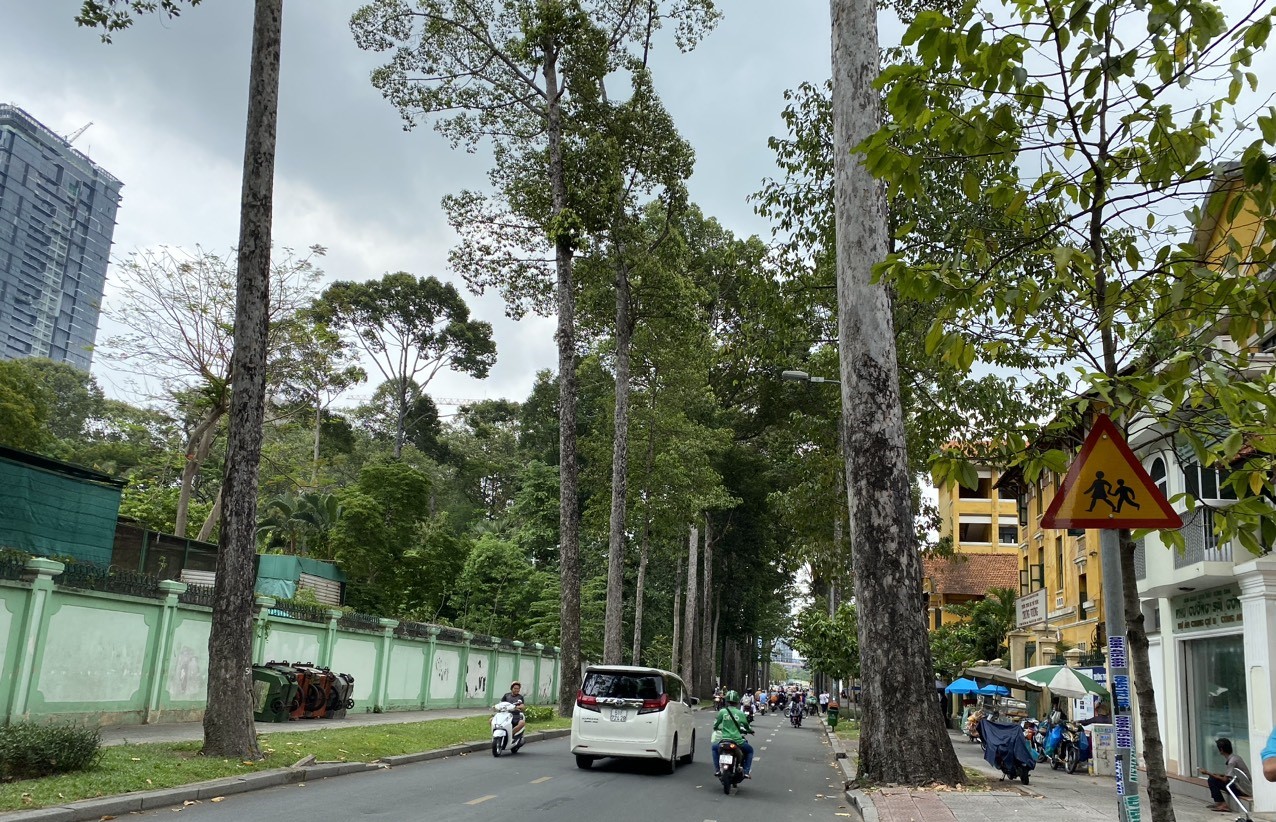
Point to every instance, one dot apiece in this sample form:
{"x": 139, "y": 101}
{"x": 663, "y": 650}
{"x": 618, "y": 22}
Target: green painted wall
{"x": 84, "y": 655}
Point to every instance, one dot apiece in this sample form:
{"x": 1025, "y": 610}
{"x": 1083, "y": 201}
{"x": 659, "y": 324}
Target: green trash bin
{"x": 274, "y": 694}
{"x": 834, "y": 709}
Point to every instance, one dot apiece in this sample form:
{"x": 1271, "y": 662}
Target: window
{"x": 974, "y": 528}
{"x": 1008, "y": 534}
{"x": 981, "y": 491}
{"x": 1158, "y": 474}
{"x": 1058, "y": 563}
{"x": 1206, "y": 483}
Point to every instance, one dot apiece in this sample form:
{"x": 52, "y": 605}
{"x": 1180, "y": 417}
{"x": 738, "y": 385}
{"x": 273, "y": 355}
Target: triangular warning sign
{"x": 1106, "y": 487}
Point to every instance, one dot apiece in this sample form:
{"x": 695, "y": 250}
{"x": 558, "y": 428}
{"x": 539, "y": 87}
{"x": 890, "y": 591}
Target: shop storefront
{"x": 1208, "y": 625}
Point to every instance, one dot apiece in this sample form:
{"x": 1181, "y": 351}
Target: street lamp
{"x": 802, "y": 376}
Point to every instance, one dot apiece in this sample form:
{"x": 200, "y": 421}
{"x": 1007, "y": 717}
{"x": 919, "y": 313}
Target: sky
{"x": 168, "y": 98}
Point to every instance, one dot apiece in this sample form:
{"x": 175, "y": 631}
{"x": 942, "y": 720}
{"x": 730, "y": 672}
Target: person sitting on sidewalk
{"x": 1268, "y": 757}
{"x": 1236, "y": 769}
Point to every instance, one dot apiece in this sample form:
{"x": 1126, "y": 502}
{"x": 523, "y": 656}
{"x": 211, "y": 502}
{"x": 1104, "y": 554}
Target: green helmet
{"x": 733, "y": 698}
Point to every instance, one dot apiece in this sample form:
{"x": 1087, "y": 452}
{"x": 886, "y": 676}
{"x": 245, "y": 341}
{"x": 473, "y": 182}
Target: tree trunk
{"x": 565, "y": 336}
{"x": 713, "y": 640}
{"x": 692, "y": 611}
{"x": 902, "y": 739}
{"x": 1136, "y": 638}
{"x": 614, "y": 622}
{"x": 314, "y": 465}
{"x": 704, "y": 667}
{"x": 644, "y": 542}
{"x": 228, "y": 719}
{"x": 677, "y": 617}
{"x": 206, "y": 530}
{"x": 197, "y": 448}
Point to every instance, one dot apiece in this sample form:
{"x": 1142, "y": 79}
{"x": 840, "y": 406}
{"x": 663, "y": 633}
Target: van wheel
{"x": 584, "y": 762}
{"x": 672, "y": 764}
{"x": 691, "y": 752}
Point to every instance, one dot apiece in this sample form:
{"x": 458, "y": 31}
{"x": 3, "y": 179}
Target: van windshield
{"x": 623, "y": 686}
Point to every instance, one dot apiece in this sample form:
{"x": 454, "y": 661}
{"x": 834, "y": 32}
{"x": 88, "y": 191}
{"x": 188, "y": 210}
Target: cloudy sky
{"x": 167, "y": 102}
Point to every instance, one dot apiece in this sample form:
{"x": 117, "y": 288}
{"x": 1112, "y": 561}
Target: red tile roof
{"x": 971, "y": 573}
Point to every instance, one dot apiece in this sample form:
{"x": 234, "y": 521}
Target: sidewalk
{"x": 1050, "y": 794}
{"x": 194, "y": 731}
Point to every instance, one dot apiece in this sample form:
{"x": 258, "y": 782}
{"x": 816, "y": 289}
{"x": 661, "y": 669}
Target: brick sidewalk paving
{"x": 899, "y": 805}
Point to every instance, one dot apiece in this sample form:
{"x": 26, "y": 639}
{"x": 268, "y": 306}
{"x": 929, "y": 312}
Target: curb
{"x": 94, "y": 809}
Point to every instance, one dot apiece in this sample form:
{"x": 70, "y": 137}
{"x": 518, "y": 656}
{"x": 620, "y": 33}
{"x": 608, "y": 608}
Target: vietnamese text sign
{"x": 1120, "y": 777}
{"x": 1133, "y": 813}
{"x": 1031, "y": 609}
{"x": 1116, "y": 652}
{"x": 1121, "y": 691}
{"x": 1207, "y": 610}
{"x": 1124, "y": 732}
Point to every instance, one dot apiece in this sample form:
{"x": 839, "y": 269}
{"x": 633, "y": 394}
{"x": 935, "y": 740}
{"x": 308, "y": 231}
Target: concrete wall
{"x": 67, "y": 654}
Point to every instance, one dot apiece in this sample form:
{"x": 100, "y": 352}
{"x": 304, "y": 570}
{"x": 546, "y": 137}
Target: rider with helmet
{"x": 733, "y": 724}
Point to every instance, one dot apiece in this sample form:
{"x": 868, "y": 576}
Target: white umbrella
{"x": 1061, "y": 680}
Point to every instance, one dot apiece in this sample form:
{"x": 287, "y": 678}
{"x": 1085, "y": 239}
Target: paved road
{"x": 793, "y": 779}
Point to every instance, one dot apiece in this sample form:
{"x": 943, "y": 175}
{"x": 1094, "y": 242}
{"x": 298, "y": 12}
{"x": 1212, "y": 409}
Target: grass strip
{"x": 130, "y": 768}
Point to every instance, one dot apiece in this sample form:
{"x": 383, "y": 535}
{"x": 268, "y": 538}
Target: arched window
{"x": 1159, "y": 475}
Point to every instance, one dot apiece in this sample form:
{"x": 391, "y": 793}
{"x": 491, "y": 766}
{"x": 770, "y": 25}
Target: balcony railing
{"x": 1201, "y": 544}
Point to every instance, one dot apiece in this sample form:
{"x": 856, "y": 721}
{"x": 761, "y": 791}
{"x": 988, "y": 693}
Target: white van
{"x": 627, "y": 711}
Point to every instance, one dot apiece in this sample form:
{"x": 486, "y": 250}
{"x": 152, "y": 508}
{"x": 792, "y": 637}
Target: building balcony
{"x": 1203, "y": 564}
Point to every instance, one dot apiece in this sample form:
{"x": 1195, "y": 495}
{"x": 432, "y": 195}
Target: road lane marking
{"x": 539, "y": 781}
{"x": 764, "y": 747}
{"x": 481, "y": 799}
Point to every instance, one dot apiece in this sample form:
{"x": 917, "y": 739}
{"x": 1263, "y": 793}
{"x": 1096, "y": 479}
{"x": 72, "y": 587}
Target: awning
{"x": 999, "y": 676}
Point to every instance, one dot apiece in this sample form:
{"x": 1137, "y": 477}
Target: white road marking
{"x": 481, "y": 799}
{"x": 539, "y": 781}
{"x": 764, "y": 747}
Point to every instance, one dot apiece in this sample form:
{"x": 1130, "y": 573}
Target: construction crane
{"x": 73, "y": 136}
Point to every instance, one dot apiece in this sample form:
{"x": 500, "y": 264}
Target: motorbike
{"x": 762, "y": 708}
{"x": 730, "y": 765}
{"x": 1006, "y": 749}
{"x": 1035, "y": 737}
{"x": 1067, "y": 753}
{"x": 795, "y": 714}
{"x": 748, "y": 710}
{"x": 503, "y": 735}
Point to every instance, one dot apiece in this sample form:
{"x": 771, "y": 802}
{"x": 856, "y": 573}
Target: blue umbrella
{"x": 994, "y": 690}
{"x": 963, "y": 686}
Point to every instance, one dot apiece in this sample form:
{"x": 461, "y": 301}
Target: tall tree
{"x": 411, "y": 328}
{"x": 903, "y": 739}
{"x": 1137, "y": 287}
{"x": 503, "y": 71}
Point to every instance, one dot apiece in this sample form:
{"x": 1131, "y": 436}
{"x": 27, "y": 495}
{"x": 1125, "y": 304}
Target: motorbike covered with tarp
{"x": 1006, "y": 750}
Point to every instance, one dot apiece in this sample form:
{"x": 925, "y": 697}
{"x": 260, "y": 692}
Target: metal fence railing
{"x": 360, "y": 622}
{"x": 112, "y": 580}
{"x": 294, "y": 610}
{"x": 12, "y": 567}
{"x": 197, "y": 595}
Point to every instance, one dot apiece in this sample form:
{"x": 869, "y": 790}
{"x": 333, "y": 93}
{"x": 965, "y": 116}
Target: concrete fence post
{"x": 493, "y": 667}
{"x": 529, "y": 692}
{"x": 385, "y": 646}
{"x": 539, "y": 648}
{"x": 557, "y": 662}
{"x": 463, "y": 675}
{"x": 33, "y": 624}
{"x": 161, "y": 646}
{"x": 427, "y": 678}
{"x": 261, "y": 627}
{"x": 329, "y": 643}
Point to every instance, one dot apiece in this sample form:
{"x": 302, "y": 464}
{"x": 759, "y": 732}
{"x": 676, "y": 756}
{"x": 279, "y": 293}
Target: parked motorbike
{"x": 730, "y": 765}
{"x": 1067, "y": 754}
{"x": 1006, "y": 750}
{"x": 503, "y": 735}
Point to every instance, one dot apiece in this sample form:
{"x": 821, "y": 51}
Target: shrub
{"x": 30, "y": 751}
{"x": 538, "y": 713}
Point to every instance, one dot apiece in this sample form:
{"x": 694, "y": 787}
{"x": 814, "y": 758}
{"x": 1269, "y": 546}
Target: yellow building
{"x": 984, "y": 529}
{"x": 1060, "y": 581}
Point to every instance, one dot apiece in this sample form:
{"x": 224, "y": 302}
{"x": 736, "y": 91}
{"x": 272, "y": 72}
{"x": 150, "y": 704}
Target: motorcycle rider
{"x": 515, "y": 697}
{"x": 733, "y": 724}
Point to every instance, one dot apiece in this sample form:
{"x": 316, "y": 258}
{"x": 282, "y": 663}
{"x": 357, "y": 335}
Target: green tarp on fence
{"x": 50, "y": 508}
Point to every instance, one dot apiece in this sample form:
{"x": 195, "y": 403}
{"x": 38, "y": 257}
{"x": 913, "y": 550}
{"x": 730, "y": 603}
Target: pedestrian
{"x": 824, "y": 702}
{"x": 1268, "y": 757}
{"x": 1237, "y": 774}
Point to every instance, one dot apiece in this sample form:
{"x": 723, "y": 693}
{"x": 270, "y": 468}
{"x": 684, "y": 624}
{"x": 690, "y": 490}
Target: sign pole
{"x": 1127, "y": 786}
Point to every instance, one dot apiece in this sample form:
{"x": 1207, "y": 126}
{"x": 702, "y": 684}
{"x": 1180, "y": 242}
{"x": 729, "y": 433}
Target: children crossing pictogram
{"x": 1106, "y": 487}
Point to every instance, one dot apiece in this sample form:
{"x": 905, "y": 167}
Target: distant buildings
{"x": 57, "y": 215}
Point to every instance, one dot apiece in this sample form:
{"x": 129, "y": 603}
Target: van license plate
{"x": 619, "y": 715}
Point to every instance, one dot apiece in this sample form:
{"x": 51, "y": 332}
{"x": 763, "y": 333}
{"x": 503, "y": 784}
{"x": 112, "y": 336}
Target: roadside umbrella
{"x": 1062, "y": 680}
{"x": 997, "y": 675}
{"x": 963, "y": 686}
{"x": 994, "y": 690}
